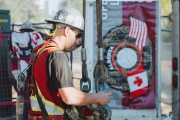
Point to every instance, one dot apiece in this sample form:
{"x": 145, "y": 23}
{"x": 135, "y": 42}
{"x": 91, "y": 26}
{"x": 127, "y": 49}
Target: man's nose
{"x": 78, "y": 41}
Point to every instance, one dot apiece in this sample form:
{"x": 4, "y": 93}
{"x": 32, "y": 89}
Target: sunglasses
{"x": 77, "y": 32}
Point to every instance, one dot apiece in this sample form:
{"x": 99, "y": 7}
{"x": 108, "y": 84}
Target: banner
{"x": 22, "y": 45}
{"x": 130, "y": 32}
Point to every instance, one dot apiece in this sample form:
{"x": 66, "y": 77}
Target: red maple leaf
{"x": 138, "y": 81}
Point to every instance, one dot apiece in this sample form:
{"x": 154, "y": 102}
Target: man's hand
{"x": 103, "y": 98}
{"x": 74, "y": 96}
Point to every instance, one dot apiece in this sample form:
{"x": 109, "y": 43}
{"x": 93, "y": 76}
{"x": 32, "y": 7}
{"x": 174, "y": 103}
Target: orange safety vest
{"x": 51, "y": 99}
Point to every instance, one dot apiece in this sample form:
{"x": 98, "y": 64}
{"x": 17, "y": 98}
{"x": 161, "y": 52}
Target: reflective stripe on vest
{"x": 51, "y": 108}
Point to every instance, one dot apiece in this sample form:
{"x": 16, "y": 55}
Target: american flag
{"x": 138, "y": 30}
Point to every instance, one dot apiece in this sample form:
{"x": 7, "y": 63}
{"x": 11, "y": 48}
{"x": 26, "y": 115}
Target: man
{"x": 51, "y": 70}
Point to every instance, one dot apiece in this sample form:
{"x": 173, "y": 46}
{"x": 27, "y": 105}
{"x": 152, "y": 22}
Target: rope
{"x": 100, "y": 71}
{"x": 84, "y": 15}
{"x": 99, "y": 23}
{"x": 85, "y": 78}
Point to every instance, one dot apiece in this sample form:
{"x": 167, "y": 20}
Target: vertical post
{"x": 1, "y": 41}
{"x": 175, "y": 54}
{"x": 89, "y": 43}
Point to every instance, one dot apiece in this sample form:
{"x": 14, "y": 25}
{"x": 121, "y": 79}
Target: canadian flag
{"x": 138, "y": 84}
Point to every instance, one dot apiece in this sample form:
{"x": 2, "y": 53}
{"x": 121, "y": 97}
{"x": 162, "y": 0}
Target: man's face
{"x": 76, "y": 39}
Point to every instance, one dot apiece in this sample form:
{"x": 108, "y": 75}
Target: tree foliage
{"x": 22, "y": 10}
{"x": 166, "y": 7}
{"x": 77, "y": 4}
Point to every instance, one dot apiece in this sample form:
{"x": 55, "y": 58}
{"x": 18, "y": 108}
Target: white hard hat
{"x": 70, "y": 17}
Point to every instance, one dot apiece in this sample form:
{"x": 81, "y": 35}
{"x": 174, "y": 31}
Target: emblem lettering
{"x": 108, "y": 57}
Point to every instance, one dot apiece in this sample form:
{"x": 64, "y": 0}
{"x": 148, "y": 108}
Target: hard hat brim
{"x": 57, "y": 21}
{"x": 26, "y": 29}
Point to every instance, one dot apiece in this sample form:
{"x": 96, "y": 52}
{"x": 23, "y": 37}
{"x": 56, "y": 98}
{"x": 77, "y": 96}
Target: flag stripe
{"x": 131, "y": 28}
{"x": 136, "y": 26}
{"x": 145, "y": 35}
{"x": 141, "y": 39}
{"x": 139, "y": 35}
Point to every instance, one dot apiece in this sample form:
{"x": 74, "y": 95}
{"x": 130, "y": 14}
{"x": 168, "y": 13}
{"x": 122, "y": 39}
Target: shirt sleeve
{"x": 59, "y": 71}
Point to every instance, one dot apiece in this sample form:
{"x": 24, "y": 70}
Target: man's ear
{"x": 66, "y": 30}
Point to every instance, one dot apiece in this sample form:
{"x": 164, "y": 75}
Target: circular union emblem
{"x": 126, "y": 58}
{"x": 123, "y": 57}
